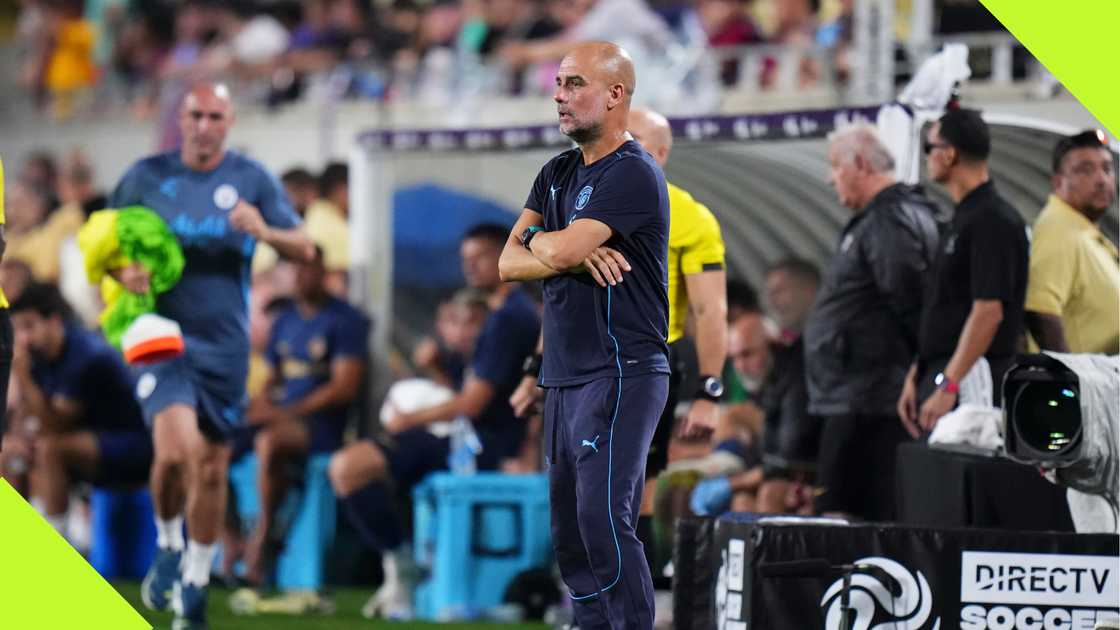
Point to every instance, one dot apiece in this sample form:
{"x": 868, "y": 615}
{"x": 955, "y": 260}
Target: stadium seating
{"x": 313, "y": 511}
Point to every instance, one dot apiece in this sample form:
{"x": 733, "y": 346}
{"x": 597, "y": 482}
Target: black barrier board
{"x": 917, "y": 578}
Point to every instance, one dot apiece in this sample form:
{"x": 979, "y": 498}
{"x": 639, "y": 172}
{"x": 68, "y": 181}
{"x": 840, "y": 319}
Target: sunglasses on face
{"x": 928, "y": 147}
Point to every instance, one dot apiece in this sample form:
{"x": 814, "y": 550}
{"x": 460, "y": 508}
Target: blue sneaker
{"x": 189, "y": 603}
{"x": 155, "y": 590}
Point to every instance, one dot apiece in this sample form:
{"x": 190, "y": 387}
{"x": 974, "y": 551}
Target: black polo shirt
{"x": 983, "y": 255}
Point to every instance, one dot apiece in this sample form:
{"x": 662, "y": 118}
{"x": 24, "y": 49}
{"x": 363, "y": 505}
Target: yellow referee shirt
{"x": 695, "y": 246}
{"x": 3, "y": 298}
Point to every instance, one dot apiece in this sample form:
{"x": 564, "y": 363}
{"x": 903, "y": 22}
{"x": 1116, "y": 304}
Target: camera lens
{"x": 1048, "y": 416}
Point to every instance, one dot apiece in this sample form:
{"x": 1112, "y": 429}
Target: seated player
{"x": 90, "y": 426}
{"x": 409, "y": 452}
{"x": 442, "y": 356}
{"x": 317, "y": 358}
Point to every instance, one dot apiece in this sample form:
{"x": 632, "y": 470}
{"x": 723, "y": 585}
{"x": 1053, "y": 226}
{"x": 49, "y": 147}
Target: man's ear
{"x": 618, "y": 95}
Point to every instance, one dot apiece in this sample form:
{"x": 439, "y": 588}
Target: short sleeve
{"x": 625, "y": 197}
{"x": 275, "y": 336}
{"x": 349, "y": 335}
{"x": 495, "y": 360}
{"x": 993, "y": 268}
{"x": 538, "y": 191}
{"x": 1052, "y": 269}
{"x": 275, "y": 208}
{"x": 702, "y": 249}
{"x": 128, "y": 191}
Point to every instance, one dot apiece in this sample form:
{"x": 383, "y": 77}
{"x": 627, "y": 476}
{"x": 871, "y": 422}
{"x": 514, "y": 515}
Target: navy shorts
{"x": 217, "y": 395}
{"x": 413, "y": 455}
{"x": 123, "y": 457}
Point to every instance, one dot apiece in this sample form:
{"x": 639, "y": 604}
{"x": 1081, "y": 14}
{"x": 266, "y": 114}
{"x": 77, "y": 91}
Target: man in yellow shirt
{"x": 5, "y": 326}
{"x": 697, "y": 283}
{"x": 1073, "y": 290}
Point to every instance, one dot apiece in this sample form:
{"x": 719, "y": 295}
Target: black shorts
{"x": 658, "y": 458}
{"x": 124, "y": 457}
{"x": 856, "y": 468}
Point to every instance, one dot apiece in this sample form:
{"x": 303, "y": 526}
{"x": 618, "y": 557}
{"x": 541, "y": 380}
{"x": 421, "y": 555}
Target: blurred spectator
{"x": 301, "y": 187}
{"x": 248, "y": 38}
{"x": 40, "y": 170}
{"x": 107, "y": 18}
{"x": 77, "y": 192}
{"x": 443, "y": 356}
{"x": 1073, "y": 292}
{"x": 76, "y": 185}
{"x": 15, "y": 276}
{"x": 791, "y": 286}
{"x": 410, "y": 451}
{"x": 973, "y": 306}
{"x": 837, "y": 35}
{"x": 35, "y": 234}
{"x": 727, "y": 25}
{"x": 81, "y": 393}
{"x": 33, "y": 40}
{"x": 317, "y": 354}
{"x": 326, "y": 222}
{"x": 863, "y": 331}
{"x": 70, "y": 68}
{"x": 180, "y": 67}
{"x": 628, "y": 23}
{"x": 796, "y": 28}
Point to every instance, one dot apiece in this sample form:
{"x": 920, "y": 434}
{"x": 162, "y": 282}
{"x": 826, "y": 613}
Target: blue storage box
{"x": 300, "y": 565}
{"x": 123, "y": 532}
{"x": 474, "y": 534}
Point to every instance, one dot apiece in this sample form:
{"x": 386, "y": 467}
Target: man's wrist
{"x": 532, "y": 365}
{"x": 710, "y": 388}
{"x": 946, "y": 384}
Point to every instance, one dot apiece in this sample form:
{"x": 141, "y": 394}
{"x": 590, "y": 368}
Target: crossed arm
{"x": 574, "y": 249}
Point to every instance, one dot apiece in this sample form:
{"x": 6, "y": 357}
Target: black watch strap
{"x": 529, "y": 233}
{"x": 532, "y": 366}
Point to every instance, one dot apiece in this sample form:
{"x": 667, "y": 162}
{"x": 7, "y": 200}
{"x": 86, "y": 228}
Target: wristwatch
{"x": 711, "y": 388}
{"x": 529, "y": 233}
{"x": 946, "y": 384}
{"x": 532, "y": 366}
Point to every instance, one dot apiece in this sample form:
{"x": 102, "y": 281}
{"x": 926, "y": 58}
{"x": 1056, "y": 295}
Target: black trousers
{"x": 856, "y": 467}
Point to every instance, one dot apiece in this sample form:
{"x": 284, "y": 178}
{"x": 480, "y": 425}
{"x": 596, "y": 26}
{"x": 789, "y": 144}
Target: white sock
{"x": 197, "y": 562}
{"x": 169, "y": 533}
{"x": 58, "y": 522}
{"x": 397, "y": 565}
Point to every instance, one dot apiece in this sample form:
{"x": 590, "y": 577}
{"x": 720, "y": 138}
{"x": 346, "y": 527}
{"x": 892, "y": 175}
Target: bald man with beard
{"x": 218, "y": 204}
{"x": 595, "y": 229}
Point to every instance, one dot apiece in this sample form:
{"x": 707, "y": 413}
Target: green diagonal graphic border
{"x": 1079, "y": 43}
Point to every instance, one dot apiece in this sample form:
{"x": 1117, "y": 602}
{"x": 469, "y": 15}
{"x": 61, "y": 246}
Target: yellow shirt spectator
{"x": 40, "y": 247}
{"x": 695, "y": 246}
{"x": 1075, "y": 275}
{"x": 327, "y": 227}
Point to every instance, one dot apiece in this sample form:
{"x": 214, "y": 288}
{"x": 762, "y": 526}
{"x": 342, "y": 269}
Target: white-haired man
{"x": 863, "y": 330}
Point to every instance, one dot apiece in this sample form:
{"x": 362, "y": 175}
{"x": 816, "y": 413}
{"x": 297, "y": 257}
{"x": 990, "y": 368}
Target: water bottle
{"x": 465, "y": 447}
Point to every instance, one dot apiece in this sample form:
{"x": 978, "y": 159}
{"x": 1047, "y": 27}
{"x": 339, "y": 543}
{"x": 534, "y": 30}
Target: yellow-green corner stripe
{"x": 1077, "y": 42}
{"x": 45, "y": 584}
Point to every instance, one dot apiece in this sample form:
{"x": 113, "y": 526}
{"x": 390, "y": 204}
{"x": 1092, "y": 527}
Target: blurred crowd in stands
{"x": 88, "y": 55}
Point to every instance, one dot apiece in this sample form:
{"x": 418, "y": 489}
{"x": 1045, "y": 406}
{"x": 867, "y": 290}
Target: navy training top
{"x": 593, "y": 332}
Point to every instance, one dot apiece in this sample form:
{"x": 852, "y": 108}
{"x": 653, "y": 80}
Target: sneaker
{"x": 189, "y": 603}
{"x": 392, "y": 600}
{"x": 155, "y": 590}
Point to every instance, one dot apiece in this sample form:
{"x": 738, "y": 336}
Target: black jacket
{"x": 862, "y": 333}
